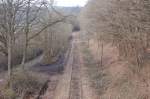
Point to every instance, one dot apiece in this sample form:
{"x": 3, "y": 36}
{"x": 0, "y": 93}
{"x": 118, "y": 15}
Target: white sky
{"x": 71, "y": 2}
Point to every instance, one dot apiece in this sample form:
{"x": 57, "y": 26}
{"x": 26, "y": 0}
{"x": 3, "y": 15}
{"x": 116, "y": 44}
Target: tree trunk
{"x": 24, "y": 53}
{"x": 9, "y": 59}
{"x": 51, "y": 45}
{"x": 46, "y": 48}
{"x": 102, "y": 52}
{"x": 26, "y": 35}
{"x": 25, "y": 47}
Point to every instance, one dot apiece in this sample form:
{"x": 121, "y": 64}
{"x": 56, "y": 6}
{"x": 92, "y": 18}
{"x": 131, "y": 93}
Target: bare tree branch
{"x": 47, "y": 26}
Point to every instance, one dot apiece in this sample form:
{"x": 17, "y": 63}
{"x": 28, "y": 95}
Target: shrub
{"x": 7, "y": 93}
{"x": 22, "y": 83}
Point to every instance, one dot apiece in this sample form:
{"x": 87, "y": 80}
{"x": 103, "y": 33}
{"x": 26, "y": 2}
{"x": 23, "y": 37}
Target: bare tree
{"x": 124, "y": 22}
{"x": 22, "y": 17}
{"x": 46, "y": 9}
{"x": 8, "y": 27}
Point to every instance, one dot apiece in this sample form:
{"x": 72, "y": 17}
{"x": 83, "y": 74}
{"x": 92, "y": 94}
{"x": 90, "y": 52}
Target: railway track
{"x": 70, "y": 85}
{"x": 75, "y": 83}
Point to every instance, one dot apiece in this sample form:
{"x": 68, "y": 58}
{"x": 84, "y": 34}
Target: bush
{"x": 7, "y": 93}
{"x": 22, "y": 83}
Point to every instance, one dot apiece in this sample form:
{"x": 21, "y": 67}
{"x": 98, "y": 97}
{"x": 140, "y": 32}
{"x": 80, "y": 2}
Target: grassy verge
{"x": 98, "y": 78}
{"x": 21, "y": 84}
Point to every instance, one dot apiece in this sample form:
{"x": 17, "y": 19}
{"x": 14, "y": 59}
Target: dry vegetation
{"x": 118, "y": 36}
{"x": 23, "y": 85}
{"x": 28, "y": 29}
{"x": 116, "y": 55}
{"x": 123, "y": 22}
{"x": 98, "y": 78}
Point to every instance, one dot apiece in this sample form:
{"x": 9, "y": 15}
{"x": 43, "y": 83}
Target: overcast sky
{"x": 71, "y": 2}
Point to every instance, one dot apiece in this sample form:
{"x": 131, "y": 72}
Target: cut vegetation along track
{"x": 73, "y": 83}
{"x": 75, "y": 91}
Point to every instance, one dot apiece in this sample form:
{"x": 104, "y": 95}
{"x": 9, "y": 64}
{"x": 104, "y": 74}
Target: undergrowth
{"x": 22, "y": 83}
{"x": 98, "y": 78}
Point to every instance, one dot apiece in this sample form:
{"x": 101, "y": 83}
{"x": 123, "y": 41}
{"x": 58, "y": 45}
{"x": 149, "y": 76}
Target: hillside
{"x": 70, "y": 10}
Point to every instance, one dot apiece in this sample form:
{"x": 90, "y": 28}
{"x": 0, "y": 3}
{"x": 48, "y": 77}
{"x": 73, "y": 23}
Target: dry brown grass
{"x": 117, "y": 79}
{"x": 22, "y": 83}
{"x": 99, "y": 79}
